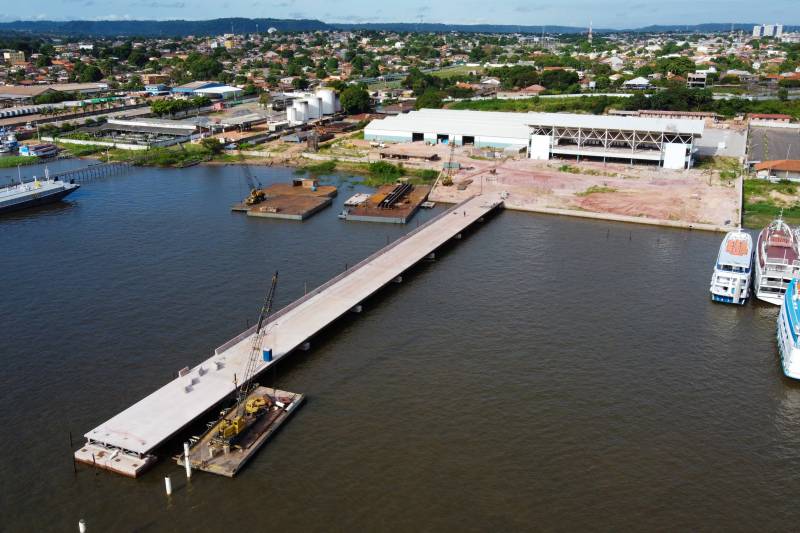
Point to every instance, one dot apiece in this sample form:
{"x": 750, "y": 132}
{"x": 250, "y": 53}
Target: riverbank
{"x": 708, "y": 198}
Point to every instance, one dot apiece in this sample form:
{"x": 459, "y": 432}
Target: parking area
{"x": 767, "y": 144}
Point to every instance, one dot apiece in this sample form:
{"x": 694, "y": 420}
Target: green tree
{"x": 90, "y": 73}
{"x": 354, "y": 99}
{"x": 430, "y": 99}
{"x": 298, "y": 84}
{"x": 211, "y": 144}
{"x": 783, "y": 94}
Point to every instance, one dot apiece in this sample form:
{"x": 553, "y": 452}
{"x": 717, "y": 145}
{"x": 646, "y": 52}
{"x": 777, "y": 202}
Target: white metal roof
{"x": 225, "y": 89}
{"x": 504, "y": 124}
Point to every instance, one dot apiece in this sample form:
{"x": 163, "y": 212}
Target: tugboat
{"x": 29, "y": 194}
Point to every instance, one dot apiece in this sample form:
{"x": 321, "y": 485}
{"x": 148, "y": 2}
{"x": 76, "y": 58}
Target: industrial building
{"x": 668, "y": 142}
{"x": 220, "y": 92}
{"x": 191, "y": 88}
{"x": 24, "y": 94}
{"x": 138, "y": 133}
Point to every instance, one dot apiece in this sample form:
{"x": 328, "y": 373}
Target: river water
{"x": 542, "y": 373}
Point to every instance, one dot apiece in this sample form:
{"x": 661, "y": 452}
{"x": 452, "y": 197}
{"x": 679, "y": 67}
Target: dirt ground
{"x": 692, "y": 197}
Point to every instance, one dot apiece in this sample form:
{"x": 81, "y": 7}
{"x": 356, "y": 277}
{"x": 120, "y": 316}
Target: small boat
{"x": 39, "y": 150}
{"x": 29, "y": 194}
{"x": 788, "y": 331}
{"x": 777, "y": 261}
{"x": 730, "y": 282}
{"x": 343, "y": 214}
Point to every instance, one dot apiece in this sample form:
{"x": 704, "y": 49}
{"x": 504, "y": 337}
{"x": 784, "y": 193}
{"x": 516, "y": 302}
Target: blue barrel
{"x": 268, "y": 355}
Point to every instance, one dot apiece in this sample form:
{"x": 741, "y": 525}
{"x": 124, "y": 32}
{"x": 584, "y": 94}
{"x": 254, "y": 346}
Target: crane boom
{"x": 246, "y": 385}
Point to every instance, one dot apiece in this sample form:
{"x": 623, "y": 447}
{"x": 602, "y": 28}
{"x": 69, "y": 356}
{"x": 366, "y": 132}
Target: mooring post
{"x": 186, "y": 460}
{"x": 168, "y": 485}
{"x": 82, "y": 526}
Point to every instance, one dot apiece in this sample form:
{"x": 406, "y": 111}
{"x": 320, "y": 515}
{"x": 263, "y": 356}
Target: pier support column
{"x": 356, "y": 309}
{"x": 431, "y": 256}
{"x": 458, "y": 236}
{"x": 398, "y": 279}
{"x": 186, "y": 460}
{"x": 168, "y": 485}
{"x": 306, "y": 346}
{"x": 81, "y": 526}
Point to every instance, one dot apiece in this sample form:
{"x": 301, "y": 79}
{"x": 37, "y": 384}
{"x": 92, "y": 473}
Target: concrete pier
{"x": 125, "y": 443}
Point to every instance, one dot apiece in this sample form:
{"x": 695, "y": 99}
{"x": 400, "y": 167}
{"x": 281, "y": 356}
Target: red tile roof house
{"x": 770, "y": 117}
{"x": 784, "y": 169}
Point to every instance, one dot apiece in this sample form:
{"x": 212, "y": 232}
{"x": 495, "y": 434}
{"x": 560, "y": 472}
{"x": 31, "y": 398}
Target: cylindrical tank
{"x": 314, "y": 107}
{"x": 301, "y": 110}
{"x": 328, "y": 97}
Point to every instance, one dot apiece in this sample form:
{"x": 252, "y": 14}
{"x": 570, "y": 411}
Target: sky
{"x": 602, "y": 13}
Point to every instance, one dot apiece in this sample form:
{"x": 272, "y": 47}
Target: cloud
{"x": 165, "y": 5}
{"x": 112, "y": 16}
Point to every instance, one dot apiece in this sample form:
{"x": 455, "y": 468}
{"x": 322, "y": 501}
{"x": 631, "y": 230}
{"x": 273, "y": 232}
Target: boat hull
{"x": 728, "y": 299}
{"x": 788, "y": 348}
{"x": 35, "y": 201}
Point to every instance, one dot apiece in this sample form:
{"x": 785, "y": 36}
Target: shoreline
{"x": 299, "y": 162}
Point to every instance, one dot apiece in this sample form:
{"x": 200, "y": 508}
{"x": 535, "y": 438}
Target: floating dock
{"x": 294, "y": 207}
{"x": 208, "y": 456}
{"x": 395, "y": 204}
{"x": 291, "y": 201}
{"x": 127, "y": 442}
{"x": 357, "y": 199}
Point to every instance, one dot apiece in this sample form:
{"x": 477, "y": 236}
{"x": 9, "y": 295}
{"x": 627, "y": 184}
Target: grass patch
{"x": 571, "y": 169}
{"x": 596, "y": 189}
{"x": 81, "y": 150}
{"x": 458, "y": 70}
{"x": 760, "y": 208}
{"x": 383, "y": 173}
{"x": 323, "y": 167}
{"x": 14, "y": 160}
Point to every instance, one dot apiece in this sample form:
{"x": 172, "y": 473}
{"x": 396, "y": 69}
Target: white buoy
{"x": 82, "y": 525}
{"x": 168, "y": 485}
{"x": 186, "y": 460}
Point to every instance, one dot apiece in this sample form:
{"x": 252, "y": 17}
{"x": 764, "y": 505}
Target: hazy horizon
{"x": 614, "y": 14}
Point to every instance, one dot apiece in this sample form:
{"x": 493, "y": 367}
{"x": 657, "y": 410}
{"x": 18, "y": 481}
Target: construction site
{"x": 700, "y": 197}
{"x": 394, "y": 204}
{"x": 298, "y": 200}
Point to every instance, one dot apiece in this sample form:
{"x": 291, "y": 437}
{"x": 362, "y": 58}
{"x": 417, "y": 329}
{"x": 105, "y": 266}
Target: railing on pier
{"x": 343, "y": 275}
{"x": 101, "y": 170}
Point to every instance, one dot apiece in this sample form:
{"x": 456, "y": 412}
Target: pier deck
{"x": 137, "y": 431}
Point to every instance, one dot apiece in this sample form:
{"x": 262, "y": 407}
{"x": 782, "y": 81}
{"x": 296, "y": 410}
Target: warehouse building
{"x": 664, "y": 141}
{"x": 191, "y": 88}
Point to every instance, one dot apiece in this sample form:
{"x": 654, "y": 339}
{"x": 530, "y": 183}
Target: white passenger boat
{"x": 32, "y": 193}
{"x": 788, "y": 331}
{"x": 730, "y": 282}
{"x": 776, "y": 261}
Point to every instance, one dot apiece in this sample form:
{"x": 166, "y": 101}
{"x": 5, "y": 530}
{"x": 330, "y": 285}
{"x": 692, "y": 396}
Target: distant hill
{"x": 160, "y": 28}
{"x": 168, "y": 28}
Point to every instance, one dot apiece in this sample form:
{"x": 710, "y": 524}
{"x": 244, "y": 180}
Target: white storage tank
{"x": 301, "y": 110}
{"x": 314, "y": 107}
{"x": 329, "y": 99}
